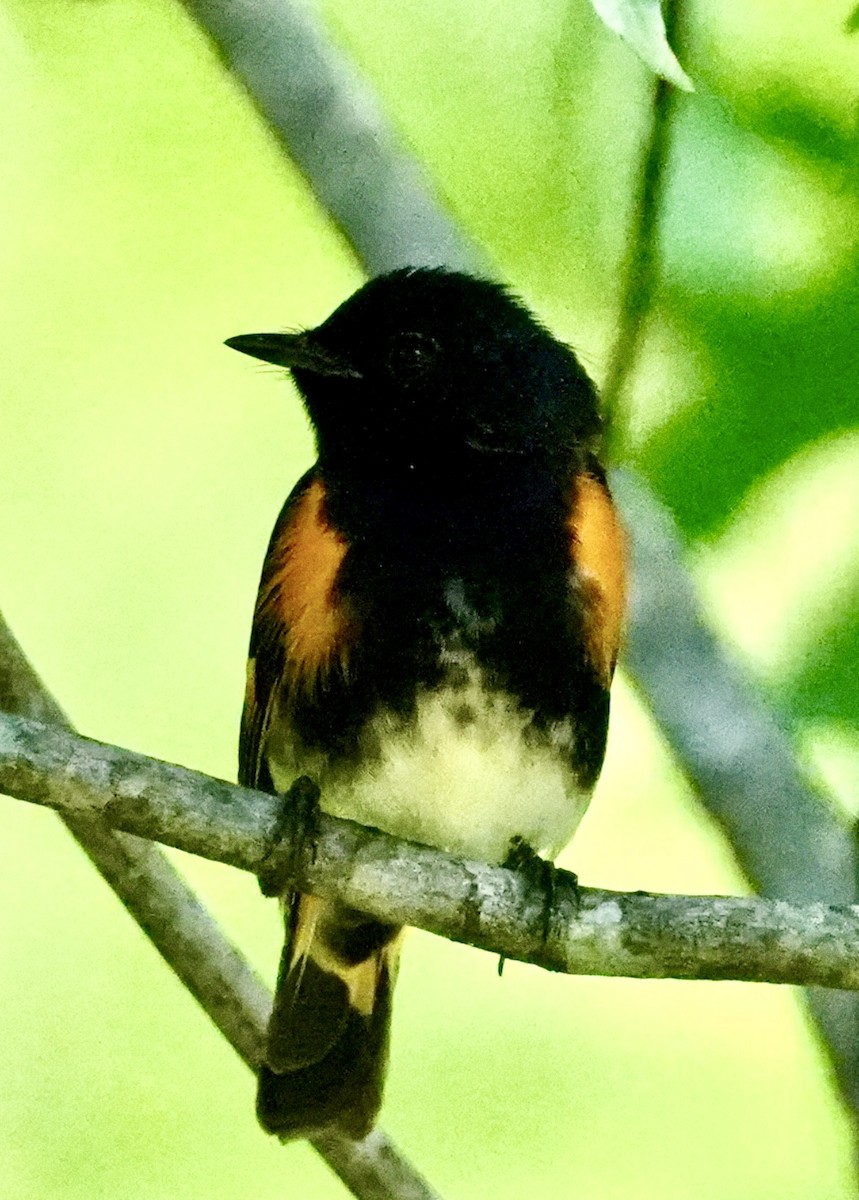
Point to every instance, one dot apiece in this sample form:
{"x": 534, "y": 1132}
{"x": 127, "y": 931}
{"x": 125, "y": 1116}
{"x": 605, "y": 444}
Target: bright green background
{"x": 146, "y": 215}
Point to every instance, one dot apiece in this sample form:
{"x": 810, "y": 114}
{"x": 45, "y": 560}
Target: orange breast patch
{"x": 300, "y": 596}
{"x": 598, "y": 548}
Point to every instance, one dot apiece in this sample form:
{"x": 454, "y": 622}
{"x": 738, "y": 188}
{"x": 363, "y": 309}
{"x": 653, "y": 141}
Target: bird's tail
{"x": 327, "y": 1042}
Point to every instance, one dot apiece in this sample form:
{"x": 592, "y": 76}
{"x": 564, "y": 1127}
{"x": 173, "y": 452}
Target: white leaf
{"x": 640, "y": 23}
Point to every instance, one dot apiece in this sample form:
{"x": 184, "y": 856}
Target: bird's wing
{"x": 301, "y": 627}
{"x": 326, "y": 1043}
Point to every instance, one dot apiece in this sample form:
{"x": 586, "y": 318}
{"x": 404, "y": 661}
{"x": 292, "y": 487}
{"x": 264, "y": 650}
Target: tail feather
{"x": 327, "y": 1041}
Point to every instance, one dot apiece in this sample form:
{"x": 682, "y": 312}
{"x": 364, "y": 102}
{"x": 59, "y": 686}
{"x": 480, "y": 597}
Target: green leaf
{"x": 852, "y": 22}
{"x": 641, "y": 25}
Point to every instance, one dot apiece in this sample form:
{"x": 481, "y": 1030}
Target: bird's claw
{"x": 297, "y": 826}
{"x": 542, "y": 874}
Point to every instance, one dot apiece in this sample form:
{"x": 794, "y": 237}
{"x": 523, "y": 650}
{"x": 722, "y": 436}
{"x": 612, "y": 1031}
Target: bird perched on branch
{"x": 435, "y": 633}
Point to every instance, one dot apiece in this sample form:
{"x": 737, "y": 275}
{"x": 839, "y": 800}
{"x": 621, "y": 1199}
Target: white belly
{"x": 467, "y": 775}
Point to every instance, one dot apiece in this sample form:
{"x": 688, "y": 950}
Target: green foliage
{"x": 148, "y": 215}
{"x": 641, "y": 24}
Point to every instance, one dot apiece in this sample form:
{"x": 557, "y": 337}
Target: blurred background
{"x": 146, "y": 213}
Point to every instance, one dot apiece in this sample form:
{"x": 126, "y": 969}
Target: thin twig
{"x": 193, "y": 945}
{"x": 640, "y": 273}
{"x": 592, "y": 932}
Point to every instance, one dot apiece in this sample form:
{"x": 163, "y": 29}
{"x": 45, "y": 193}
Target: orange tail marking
{"x": 598, "y": 550}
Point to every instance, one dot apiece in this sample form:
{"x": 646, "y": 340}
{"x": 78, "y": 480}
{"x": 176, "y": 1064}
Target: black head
{"x": 425, "y": 368}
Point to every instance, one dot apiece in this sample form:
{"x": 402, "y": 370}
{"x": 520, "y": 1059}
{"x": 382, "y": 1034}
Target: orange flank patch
{"x": 599, "y": 552}
{"x": 299, "y": 595}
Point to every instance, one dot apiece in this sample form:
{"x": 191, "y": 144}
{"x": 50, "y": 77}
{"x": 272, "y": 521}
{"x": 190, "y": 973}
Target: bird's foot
{"x": 540, "y": 873}
{"x": 297, "y": 827}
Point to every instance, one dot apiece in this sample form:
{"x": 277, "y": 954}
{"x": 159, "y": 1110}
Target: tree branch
{"x": 671, "y": 653}
{"x": 592, "y": 932}
{"x": 787, "y": 841}
{"x": 331, "y": 123}
{"x": 192, "y": 944}
{"x": 668, "y": 674}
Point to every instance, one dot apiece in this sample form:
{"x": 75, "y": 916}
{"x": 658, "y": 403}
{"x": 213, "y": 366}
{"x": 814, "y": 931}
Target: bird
{"x": 434, "y": 637}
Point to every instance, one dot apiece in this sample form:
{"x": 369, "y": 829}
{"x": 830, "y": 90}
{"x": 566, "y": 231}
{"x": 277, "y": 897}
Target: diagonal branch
{"x": 591, "y": 932}
{"x": 332, "y": 124}
{"x": 668, "y": 637}
{"x": 741, "y": 762}
{"x": 369, "y": 227}
{"x": 192, "y": 944}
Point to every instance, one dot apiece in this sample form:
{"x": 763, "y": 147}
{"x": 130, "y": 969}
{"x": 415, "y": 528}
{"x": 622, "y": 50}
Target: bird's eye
{"x": 411, "y": 354}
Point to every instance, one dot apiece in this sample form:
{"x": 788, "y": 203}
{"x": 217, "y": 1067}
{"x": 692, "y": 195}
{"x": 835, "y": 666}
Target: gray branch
{"x": 332, "y": 124}
{"x": 192, "y": 944}
{"x": 591, "y": 932}
{"x": 788, "y": 842}
{"x": 785, "y": 838}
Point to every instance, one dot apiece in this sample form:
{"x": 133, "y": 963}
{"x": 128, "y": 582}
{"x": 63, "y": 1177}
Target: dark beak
{"x": 292, "y": 350}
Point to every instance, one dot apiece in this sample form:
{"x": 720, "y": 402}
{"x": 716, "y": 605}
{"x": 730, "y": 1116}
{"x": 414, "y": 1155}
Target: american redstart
{"x": 435, "y": 633}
